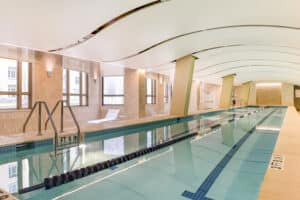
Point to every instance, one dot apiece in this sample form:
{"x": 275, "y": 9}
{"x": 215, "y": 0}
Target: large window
{"x": 15, "y": 92}
{"x": 75, "y": 87}
{"x": 166, "y": 92}
{"x": 113, "y": 90}
{"x": 150, "y": 91}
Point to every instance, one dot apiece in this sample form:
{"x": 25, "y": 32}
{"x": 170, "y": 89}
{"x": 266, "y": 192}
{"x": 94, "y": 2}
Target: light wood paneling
{"x": 227, "y": 88}
{"x": 268, "y": 95}
{"x": 182, "y": 85}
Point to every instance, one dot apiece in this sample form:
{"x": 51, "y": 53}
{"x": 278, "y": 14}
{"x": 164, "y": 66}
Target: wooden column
{"x": 182, "y": 85}
{"x": 226, "y": 94}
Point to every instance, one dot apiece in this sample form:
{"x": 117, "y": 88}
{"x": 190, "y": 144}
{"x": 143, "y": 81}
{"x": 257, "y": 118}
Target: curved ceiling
{"x": 258, "y": 40}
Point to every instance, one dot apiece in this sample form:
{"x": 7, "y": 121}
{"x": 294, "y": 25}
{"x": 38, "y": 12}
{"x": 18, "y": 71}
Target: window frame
{"x": 113, "y": 95}
{"x": 19, "y": 93}
{"x": 166, "y": 92}
{"x": 153, "y": 94}
{"x": 81, "y": 95}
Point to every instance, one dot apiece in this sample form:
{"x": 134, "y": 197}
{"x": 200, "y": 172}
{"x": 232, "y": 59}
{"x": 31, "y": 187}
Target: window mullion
{"x": 30, "y": 85}
{"x": 87, "y": 89}
{"x": 80, "y": 88}
{"x": 19, "y": 85}
{"x": 68, "y": 86}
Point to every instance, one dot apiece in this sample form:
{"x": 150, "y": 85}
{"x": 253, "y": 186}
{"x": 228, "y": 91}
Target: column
{"x": 287, "y": 94}
{"x": 226, "y": 94}
{"x": 252, "y": 94}
{"x": 198, "y": 94}
{"x": 142, "y": 93}
{"x": 245, "y": 93}
{"x": 135, "y": 93}
{"x": 182, "y": 85}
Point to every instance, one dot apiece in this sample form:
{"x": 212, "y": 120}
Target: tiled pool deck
{"x": 6, "y": 140}
{"x": 284, "y": 184}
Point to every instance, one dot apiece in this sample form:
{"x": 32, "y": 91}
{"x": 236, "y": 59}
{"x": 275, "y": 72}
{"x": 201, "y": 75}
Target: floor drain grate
{"x": 277, "y": 162}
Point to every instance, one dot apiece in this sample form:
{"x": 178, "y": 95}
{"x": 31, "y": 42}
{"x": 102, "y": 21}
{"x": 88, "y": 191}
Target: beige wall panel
{"x": 194, "y": 98}
{"x": 182, "y": 85}
{"x": 287, "y": 97}
{"x": 238, "y": 90}
{"x": 268, "y": 95}
{"x": 48, "y": 89}
{"x": 131, "y": 98}
{"x": 252, "y": 94}
{"x": 242, "y": 93}
{"x": 209, "y": 96}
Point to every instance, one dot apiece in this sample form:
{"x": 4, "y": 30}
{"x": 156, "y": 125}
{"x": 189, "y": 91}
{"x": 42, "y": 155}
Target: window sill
{"x": 78, "y": 106}
{"x": 14, "y": 110}
{"x": 112, "y": 105}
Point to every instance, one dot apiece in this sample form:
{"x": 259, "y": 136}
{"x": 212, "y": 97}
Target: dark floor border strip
{"x": 32, "y": 188}
{"x": 107, "y": 24}
{"x": 85, "y": 171}
{"x": 214, "y": 174}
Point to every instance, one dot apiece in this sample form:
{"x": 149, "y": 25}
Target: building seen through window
{"x": 113, "y": 90}
{"x": 15, "y": 90}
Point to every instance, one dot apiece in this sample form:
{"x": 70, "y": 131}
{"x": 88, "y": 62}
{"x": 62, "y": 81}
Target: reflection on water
{"x": 114, "y": 146}
{"x": 227, "y": 135}
{"x": 34, "y": 167}
{"x": 30, "y": 167}
{"x": 9, "y": 177}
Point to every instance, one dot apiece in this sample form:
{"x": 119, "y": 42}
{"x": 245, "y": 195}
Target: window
{"x": 13, "y": 187}
{"x": 75, "y": 87}
{"x": 150, "y": 91}
{"x": 166, "y": 92}
{"x": 12, "y": 73}
{"x": 12, "y": 89}
{"x": 15, "y": 90}
{"x": 12, "y": 171}
{"x": 113, "y": 90}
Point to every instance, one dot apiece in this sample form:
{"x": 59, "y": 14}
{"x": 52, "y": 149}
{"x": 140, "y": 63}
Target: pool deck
{"x": 284, "y": 184}
{"x": 18, "y": 138}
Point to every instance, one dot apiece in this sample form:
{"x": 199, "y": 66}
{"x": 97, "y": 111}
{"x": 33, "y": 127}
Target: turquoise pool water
{"x": 163, "y": 174}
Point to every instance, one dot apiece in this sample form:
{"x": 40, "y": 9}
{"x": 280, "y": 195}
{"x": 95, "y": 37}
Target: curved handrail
{"x": 52, "y": 112}
{"x": 29, "y": 116}
{"x": 61, "y": 102}
{"x": 40, "y": 103}
{"x": 50, "y": 117}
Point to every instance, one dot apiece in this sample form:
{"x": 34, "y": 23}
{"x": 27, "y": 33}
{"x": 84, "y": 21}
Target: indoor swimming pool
{"x": 226, "y": 159}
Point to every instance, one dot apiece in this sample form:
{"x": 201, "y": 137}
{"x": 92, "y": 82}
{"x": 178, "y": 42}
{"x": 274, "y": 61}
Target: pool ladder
{"x": 60, "y": 141}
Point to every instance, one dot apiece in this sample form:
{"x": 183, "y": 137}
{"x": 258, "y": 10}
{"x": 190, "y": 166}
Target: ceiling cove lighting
{"x": 268, "y": 84}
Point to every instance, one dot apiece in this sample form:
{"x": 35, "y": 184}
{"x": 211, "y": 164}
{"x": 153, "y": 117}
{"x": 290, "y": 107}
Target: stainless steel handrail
{"x": 40, "y": 103}
{"x": 61, "y": 102}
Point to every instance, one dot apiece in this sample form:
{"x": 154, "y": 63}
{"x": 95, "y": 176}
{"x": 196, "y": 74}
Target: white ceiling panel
{"x": 264, "y": 35}
{"x": 45, "y": 25}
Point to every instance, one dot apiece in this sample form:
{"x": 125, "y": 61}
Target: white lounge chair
{"x": 112, "y": 114}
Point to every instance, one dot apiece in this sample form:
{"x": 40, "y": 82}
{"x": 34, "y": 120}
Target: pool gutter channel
{"x": 94, "y": 134}
{"x": 70, "y": 176}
